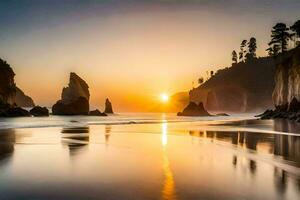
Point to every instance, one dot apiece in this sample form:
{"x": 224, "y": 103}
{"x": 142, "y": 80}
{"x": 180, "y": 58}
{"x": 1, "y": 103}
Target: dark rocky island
{"x": 194, "y": 109}
{"x": 39, "y": 111}
{"x": 74, "y": 98}
{"x": 286, "y": 94}
{"x": 108, "y": 107}
{"x": 96, "y": 113}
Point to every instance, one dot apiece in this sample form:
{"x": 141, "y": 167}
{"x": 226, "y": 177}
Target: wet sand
{"x": 168, "y": 160}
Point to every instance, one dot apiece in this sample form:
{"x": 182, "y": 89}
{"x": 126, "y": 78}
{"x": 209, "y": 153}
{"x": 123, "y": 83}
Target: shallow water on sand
{"x": 149, "y": 157}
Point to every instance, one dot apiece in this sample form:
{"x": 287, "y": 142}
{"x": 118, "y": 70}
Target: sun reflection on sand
{"x": 168, "y": 190}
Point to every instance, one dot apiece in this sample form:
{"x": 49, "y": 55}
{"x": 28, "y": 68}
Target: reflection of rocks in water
{"x": 234, "y": 160}
{"x": 288, "y": 147}
{"x": 287, "y": 126}
{"x": 107, "y": 133}
{"x": 227, "y": 136}
{"x": 280, "y": 180}
{"x": 210, "y": 134}
{"x": 251, "y": 140}
{"x": 283, "y": 145}
{"x": 7, "y": 141}
{"x": 252, "y": 166}
{"x": 75, "y": 138}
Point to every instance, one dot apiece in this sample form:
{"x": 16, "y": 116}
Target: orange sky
{"x": 132, "y": 55}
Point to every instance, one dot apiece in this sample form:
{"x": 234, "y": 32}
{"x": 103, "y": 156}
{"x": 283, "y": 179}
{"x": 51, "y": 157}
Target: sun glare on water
{"x": 164, "y": 98}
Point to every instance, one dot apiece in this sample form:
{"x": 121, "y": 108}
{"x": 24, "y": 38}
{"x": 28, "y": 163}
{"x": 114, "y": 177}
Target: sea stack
{"x": 108, "y": 107}
{"x": 39, "y": 111}
{"x": 193, "y": 109}
{"x": 74, "y": 98}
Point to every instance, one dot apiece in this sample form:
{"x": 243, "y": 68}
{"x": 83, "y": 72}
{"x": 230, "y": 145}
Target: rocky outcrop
{"x": 108, "y": 107}
{"x": 96, "y": 113}
{"x": 74, "y": 98}
{"x": 22, "y": 99}
{"x": 236, "y": 89}
{"x": 286, "y": 94}
{"x": 12, "y": 111}
{"x": 8, "y": 89}
{"x": 7, "y": 84}
{"x": 193, "y": 109}
{"x": 222, "y": 114}
{"x": 39, "y": 111}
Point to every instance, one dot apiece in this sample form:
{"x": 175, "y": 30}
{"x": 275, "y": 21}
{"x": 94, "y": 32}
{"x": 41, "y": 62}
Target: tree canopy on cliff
{"x": 296, "y": 29}
{"x": 252, "y": 46}
{"x": 279, "y": 39}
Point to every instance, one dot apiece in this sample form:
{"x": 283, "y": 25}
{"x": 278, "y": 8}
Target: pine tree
{"x": 242, "y": 50}
{"x": 234, "y": 57}
{"x": 279, "y": 38}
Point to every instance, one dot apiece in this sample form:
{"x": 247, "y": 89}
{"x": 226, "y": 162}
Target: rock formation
{"x": 193, "y": 109}
{"x": 39, "y": 111}
{"x": 96, "y": 113}
{"x": 286, "y": 94}
{"x": 108, "y": 107}
{"x": 7, "y": 84}
{"x": 8, "y": 90}
{"x": 74, "y": 98}
{"x": 237, "y": 89}
{"x": 12, "y": 111}
{"x": 22, "y": 99}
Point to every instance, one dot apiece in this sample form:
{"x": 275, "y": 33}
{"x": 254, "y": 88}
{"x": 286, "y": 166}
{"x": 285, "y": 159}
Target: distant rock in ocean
{"x": 74, "y": 98}
{"x": 108, "y": 107}
{"x": 22, "y": 99}
{"x": 193, "y": 109}
{"x": 96, "y": 113}
{"x": 39, "y": 111}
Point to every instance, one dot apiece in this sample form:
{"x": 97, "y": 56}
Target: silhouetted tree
{"x": 280, "y": 37}
{"x": 273, "y": 50}
{"x": 242, "y": 50}
{"x": 252, "y": 46}
{"x": 296, "y": 29}
{"x": 234, "y": 57}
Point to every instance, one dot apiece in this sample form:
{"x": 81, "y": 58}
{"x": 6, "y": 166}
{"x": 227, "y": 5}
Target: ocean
{"x": 138, "y": 156}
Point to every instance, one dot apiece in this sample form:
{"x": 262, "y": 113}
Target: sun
{"x": 164, "y": 98}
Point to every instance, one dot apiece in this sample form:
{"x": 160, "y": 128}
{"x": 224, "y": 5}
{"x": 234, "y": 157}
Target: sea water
{"x": 149, "y": 156}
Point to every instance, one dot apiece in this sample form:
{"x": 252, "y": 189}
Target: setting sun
{"x": 164, "y": 97}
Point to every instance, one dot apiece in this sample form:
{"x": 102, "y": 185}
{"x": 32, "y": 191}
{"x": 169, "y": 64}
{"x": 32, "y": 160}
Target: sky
{"x": 130, "y": 51}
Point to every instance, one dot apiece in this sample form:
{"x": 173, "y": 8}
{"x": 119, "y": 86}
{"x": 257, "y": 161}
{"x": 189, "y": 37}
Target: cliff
{"x": 286, "y": 94}
{"x": 287, "y": 79}
{"x": 243, "y": 87}
{"x": 74, "y": 98}
{"x": 7, "y": 84}
{"x": 22, "y": 99}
